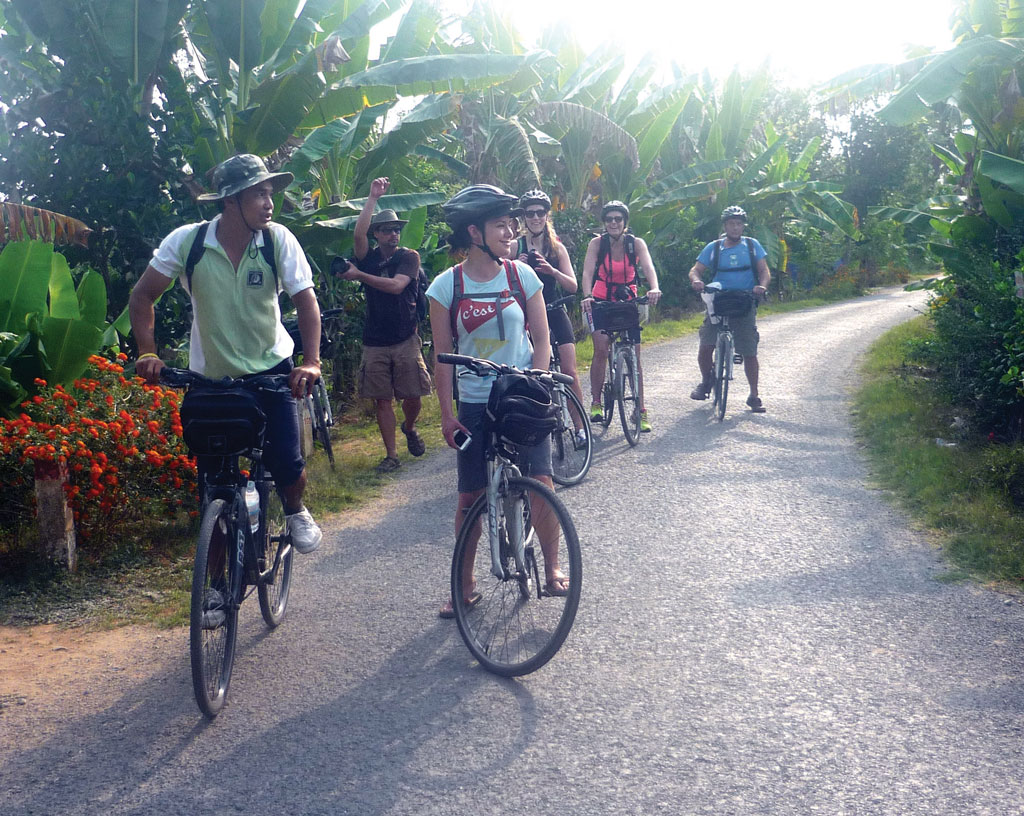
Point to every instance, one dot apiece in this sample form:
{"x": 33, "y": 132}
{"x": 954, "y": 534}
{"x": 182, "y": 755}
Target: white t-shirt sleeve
{"x": 529, "y": 279}
{"x": 442, "y": 288}
{"x": 169, "y": 258}
{"x": 294, "y": 270}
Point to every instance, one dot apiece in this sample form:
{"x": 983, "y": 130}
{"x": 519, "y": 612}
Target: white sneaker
{"x": 306, "y": 535}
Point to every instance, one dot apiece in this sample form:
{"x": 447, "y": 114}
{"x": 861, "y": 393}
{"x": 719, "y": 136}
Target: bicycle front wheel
{"x": 213, "y": 622}
{"x": 571, "y": 450}
{"x": 274, "y": 559}
{"x": 629, "y": 397}
{"x": 723, "y": 354}
{"x": 515, "y": 624}
{"x": 609, "y": 392}
{"x": 322, "y": 419}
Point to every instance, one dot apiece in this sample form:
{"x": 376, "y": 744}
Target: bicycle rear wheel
{"x": 570, "y": 460}
{"x": 629, "y": 397}
{"x": 514, "y": 625}
{"x": 274, "y": 559}
{"x": 322, "y": 419}
{"x": 213, "y": 622}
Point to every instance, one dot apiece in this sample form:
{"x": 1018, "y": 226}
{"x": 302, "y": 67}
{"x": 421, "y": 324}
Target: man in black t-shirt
{"x": 392, "y": 366}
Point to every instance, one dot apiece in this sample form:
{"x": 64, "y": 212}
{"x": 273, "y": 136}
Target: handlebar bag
{"x": 520, "y": 410}
{"x": 222, "y": 421}
{"x": 733, "y": 303}
{"x": 616, "y": 315}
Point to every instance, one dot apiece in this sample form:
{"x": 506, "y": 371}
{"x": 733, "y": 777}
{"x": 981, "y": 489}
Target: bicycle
{"x": 512, "y": 621}
{"x": 725, "y": 355}
{"x": 243, "y": 543}
{"x": 316, "y": 404}
{"x": 570, "y": 457}
{"x": 620, "y": 319}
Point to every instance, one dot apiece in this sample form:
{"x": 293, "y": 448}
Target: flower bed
{"x": 120, "y": 441}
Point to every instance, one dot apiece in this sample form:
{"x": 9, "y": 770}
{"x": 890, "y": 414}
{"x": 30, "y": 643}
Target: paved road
{"x": 760, "y": 633}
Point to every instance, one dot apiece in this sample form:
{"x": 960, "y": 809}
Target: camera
{"x": 340, "y": 265}
{"x": 461, "y": 439}
{"x": 533, "y": 258}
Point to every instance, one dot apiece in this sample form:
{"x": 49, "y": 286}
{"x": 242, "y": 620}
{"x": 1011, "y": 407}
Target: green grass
{"x": 957, "y": 490}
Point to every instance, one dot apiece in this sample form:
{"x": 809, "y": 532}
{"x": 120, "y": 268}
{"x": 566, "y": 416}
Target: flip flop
{"x": 556, "y": 587}
{"x": 448, "y": 611}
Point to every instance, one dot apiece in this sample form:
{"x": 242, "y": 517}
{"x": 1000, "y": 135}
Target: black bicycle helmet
{"x": 520, "y": 411}
{"x": 478, "y": 203}
{"x": 613, "y": 206}
{"x": 535, "y": 197}
{"x": 734, "y": 211}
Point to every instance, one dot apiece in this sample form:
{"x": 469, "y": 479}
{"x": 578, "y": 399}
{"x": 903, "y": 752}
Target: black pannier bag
{"x": 520, "y": 410}
{"x": 222, "y": 421}
{"x": 616, "y": 315}
{"x": 733, "y": 303}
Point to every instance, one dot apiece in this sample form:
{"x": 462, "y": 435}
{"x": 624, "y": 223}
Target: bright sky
{"x": 807, "y": 41}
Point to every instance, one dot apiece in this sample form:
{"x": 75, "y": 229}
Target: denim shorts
{"x": 472, "y": 466}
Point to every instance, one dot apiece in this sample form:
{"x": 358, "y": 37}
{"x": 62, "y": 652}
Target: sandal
{"x": 388, "y": 464}
{"x": 417, "y": 447}
{"x": 756, "y": 406}
{"x": 558, "y": 586}
{"x": 447, "y": 610}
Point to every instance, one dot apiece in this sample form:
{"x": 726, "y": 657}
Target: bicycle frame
{"x": 501, "y": 469}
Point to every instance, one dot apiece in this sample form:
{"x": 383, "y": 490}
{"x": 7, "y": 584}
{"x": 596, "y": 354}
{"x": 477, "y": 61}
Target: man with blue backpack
{"x": 392, "y": 366}
{"x": 737, "y": 264}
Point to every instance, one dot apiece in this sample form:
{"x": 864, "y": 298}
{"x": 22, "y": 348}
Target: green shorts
{"x": 744, "y": 333}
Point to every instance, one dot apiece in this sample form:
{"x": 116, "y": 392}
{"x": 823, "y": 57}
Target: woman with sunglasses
{"x": 612, "y": 275}
{"x": 481, "y": 307}
{"x": 540, "y": 248}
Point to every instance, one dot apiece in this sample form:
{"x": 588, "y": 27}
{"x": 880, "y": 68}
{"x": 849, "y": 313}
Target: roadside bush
{"x": 978, "y": 351}
{"x": 121, "y": 443}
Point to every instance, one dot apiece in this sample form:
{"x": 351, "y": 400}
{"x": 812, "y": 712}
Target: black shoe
{"x": 701, "y": 392}
{"x": 214, "y": 606}
{"x": 755, "y": 405}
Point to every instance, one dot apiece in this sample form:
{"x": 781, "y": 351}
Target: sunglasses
{"x": 613, "y": 219}
{"x": 395, "y": 230}
{"x": 536, "y": 213}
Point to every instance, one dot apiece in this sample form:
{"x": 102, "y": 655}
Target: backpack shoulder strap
{"x": 521, "y": 246}
{"x": 195, "y": 252}
{"x": 753, "y": 258}
{"x": 630, "y": 246}
{"x": 458, "y": 289}
{"x": 604, "y": 251}
{"x": 268, "y": 252}
{"x": 715, "y": 255}
{"x": 515, "y": 285}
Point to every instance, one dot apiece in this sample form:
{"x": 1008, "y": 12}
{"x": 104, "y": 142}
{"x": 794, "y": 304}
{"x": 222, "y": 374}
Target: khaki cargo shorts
{"x": 744, "y": 333}
{"x": 394, "y": 372}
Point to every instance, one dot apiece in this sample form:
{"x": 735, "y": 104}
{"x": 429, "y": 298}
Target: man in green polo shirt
{"x": 236, "y": 325}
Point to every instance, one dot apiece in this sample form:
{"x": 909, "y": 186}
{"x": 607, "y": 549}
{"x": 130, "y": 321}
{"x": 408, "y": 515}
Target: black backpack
{"x": 198, "y": 247}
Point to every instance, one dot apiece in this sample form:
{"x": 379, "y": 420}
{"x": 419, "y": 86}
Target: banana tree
{"x": 48, "y": 327}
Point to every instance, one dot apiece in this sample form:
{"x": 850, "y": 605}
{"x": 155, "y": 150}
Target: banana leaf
{"x": 25, "y": 269}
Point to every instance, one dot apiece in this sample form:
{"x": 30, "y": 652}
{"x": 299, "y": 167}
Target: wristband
{"x": 146, "y": 355}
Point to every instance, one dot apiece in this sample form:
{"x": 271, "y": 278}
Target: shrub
{"x": 121, "y": 443}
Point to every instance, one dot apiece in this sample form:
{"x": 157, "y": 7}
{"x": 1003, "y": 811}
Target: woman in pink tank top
{"x": 618, "y": 274}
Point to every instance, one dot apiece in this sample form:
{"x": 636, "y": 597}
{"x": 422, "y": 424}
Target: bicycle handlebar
{"x": 183, "y": 377}
{"x": 482, "y": 367}
{"x": 560, "y": 302}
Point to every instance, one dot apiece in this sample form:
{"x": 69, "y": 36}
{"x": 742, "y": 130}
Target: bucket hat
{"x": 386, "y": 217}
{"x": 241, "y": 172}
